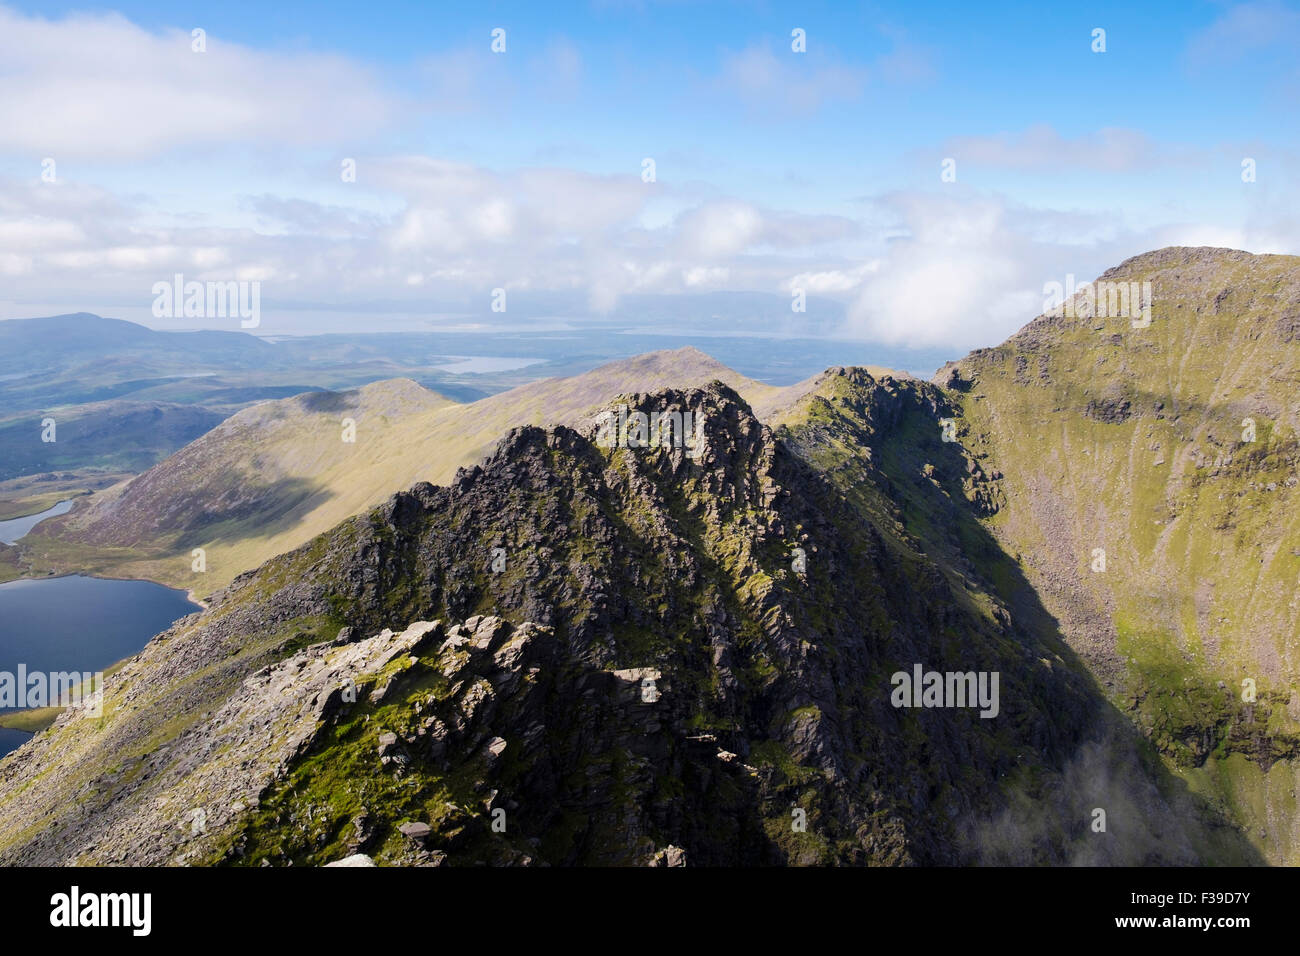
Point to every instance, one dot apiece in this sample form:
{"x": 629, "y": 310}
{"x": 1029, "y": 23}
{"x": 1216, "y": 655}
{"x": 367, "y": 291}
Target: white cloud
{"x": 98, "y": 86}
{"x": 718, "y": 229}
{"x": 832, "y": 281}
{"x": 796, "y": 82}
{"x": 14, "y": 265}
{"x": 706, "y": 276}
{"x": 38, "y": 234}
{"x": 949, "y": 267}
{"x": 455, "y": 207}
{"x": 723, "y": 228}
{"x": 953, "y": 268}
{"x": 455, "y": 232}
{"x": 1246, "y": 29}
{"x": 786, "y": 81}
{"x": 1042, "y": 147}
{"x": 968, "y": 270}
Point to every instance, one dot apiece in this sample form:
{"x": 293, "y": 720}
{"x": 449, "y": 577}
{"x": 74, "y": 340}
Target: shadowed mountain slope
{"x": 1150, "y": 480}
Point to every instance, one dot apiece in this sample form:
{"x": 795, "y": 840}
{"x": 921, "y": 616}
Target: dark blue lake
{"x": 78, "y": 623}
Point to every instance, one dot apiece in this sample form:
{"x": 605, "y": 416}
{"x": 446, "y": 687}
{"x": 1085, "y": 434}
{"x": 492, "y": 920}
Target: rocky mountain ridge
{"x": 765, "y": 733}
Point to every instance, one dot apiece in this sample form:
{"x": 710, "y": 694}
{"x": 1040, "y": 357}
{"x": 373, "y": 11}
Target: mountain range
{"x": 477, "y": 633}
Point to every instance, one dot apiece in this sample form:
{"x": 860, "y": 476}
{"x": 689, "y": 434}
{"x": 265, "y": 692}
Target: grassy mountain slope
{"x": 1132, "y": 441}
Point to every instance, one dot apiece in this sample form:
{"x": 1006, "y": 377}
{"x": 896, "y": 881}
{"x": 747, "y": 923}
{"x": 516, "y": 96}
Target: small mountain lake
{"x": 15, "y": 528}
{"x": 77, "y": 623}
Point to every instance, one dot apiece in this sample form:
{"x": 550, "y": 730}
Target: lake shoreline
{"x": 190, "y": 594}
{"x": 39, "y": 509}
{"x": 60, "y": 507}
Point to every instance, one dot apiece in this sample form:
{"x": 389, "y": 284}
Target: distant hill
{"x": 28, "y": 346}
{"x": 112, "y": 436}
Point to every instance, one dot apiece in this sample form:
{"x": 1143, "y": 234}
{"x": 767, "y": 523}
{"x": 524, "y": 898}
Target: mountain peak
{"x": 1175, "y": 256}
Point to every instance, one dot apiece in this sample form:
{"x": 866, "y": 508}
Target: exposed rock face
{"x": 1109, "y": 411}
{"x": 666, "y": 656}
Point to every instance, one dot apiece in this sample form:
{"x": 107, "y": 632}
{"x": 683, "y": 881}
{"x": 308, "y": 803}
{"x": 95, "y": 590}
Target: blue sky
{"x": 774, "y": 170}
